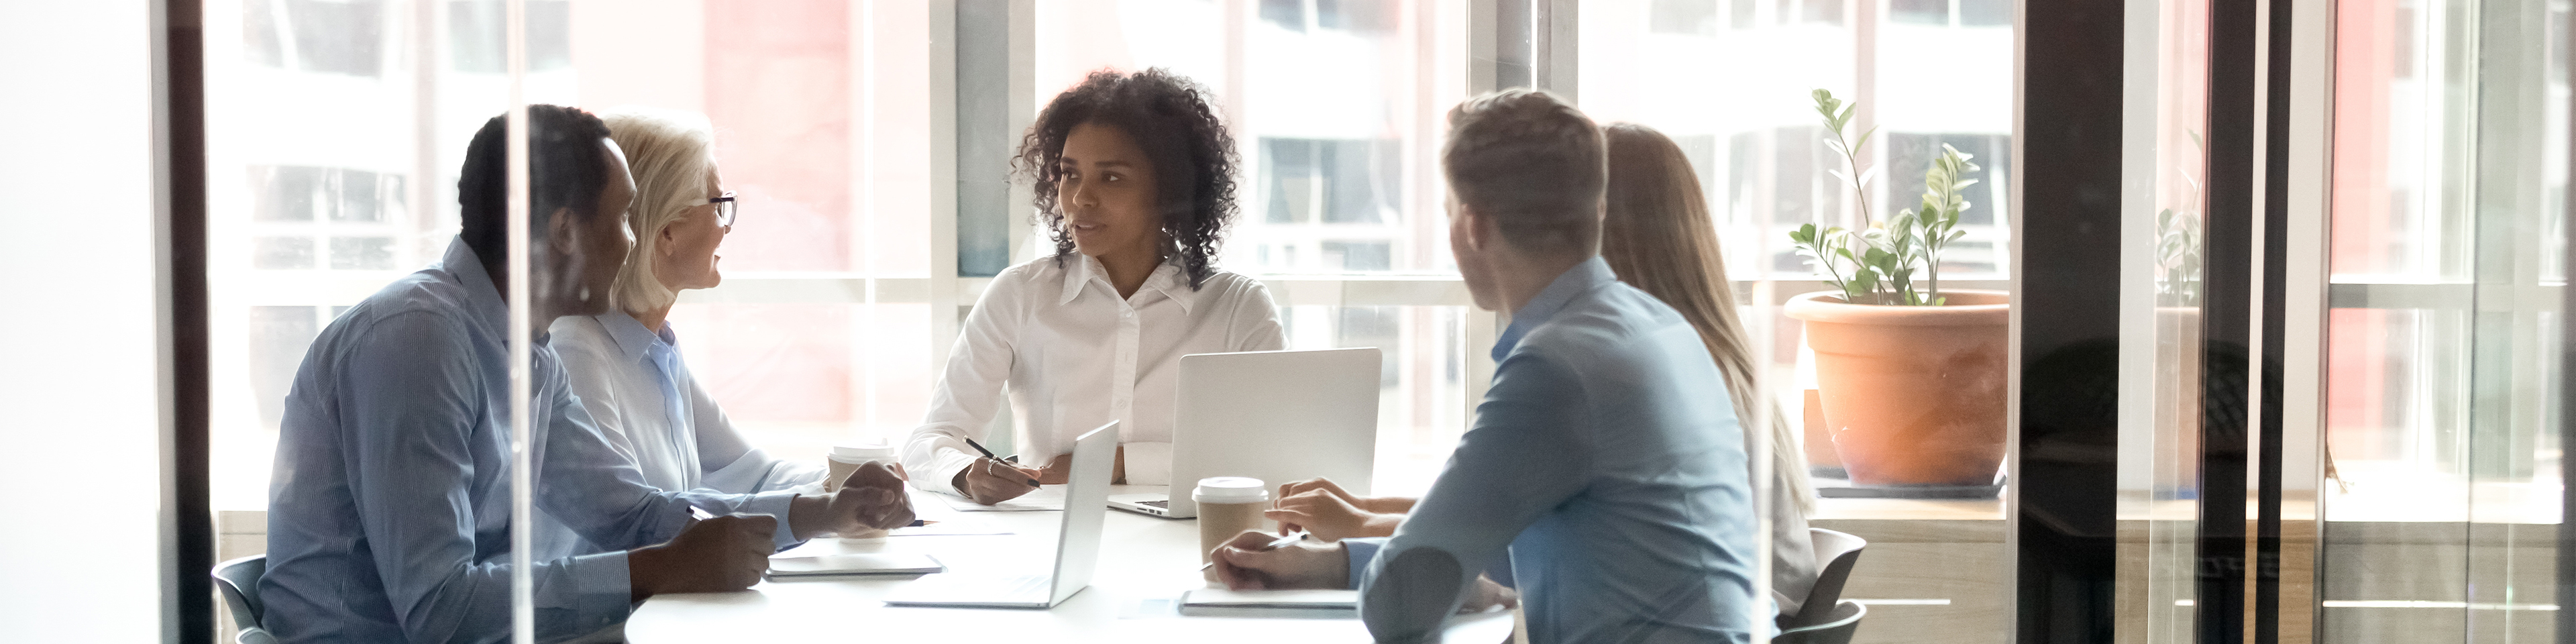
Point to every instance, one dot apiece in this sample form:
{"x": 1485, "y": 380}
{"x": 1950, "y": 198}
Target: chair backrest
{"x": 1838, "y": 552}
{"x": 1840, "y": 623}
{"x": 239, "y": 581}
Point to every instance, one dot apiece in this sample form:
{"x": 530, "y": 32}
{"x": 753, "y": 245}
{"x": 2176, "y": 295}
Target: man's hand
{"x": 1329, "y": 517}
{"x": 873, "y": 497}
{"x": 989, "y": 481}
{"x": 722, "y": 554}
{"x": 1243, "y": 565}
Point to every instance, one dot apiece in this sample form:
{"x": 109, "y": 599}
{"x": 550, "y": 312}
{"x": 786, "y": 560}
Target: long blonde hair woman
{"x": 1657, "y": 235}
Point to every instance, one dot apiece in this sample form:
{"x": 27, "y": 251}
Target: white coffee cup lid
{"x": 862, "y": 452}
{"x": 1230, "y": 489}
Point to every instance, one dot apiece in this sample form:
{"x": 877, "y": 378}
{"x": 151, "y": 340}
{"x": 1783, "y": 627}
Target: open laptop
{"x": 1278, "y": 416}
{"x": 1077, "y": 548}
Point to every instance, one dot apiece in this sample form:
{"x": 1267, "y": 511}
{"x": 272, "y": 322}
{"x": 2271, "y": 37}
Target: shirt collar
{"x": 631, "y": 337}
{"x": 482, "y": 297}
{"x": 1167, "y": 279}
{"x": 1575, "y": 281}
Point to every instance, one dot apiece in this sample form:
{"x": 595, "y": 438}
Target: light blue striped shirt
{"x": 389, "y": 512}
{"x": 1605, "y": 477}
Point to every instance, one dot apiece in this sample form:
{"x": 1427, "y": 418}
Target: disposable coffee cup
{"x": 1228, "y": 505}
{"x": 847, "y": 458}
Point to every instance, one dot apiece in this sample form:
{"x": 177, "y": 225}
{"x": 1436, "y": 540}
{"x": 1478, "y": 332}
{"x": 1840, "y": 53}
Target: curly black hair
{"x": 1171, "y": 119}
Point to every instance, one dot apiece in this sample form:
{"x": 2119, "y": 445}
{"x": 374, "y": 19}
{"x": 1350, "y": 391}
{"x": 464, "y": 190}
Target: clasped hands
{"x": 730, "y": 552}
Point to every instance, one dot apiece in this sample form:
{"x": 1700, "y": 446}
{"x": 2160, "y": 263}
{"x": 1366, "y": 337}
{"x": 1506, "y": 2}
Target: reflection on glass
{"x": 1730, "y": 82}
{"x": 2448, "y": 231}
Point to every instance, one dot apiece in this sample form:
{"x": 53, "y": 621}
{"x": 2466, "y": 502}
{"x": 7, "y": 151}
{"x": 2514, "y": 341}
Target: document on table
{"x": 856, "y": 563}
{"x": 1049, "y": 497}
{"x": 1218, "y": 602}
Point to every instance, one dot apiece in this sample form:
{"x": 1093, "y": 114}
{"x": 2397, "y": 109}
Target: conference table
{"x": 1145, "y": 564}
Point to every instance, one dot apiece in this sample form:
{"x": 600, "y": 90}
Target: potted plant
{"x": 1911, "y": 376}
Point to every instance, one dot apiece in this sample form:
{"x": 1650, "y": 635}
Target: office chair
{"x": 1838, "y": 551}
{"x": 1840, "y": 622}
{"x": 239, "y": 581}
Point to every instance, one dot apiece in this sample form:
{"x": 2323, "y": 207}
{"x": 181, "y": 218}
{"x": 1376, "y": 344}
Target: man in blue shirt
{"x": 389, "y": 512}
{"x": 1605, "y": 475}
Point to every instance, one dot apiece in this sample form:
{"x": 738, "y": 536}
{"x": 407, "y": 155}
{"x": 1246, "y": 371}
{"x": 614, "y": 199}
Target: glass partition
{"x": 335, "y": 130}
{"x": 2443, "y": 493}
{"x": 2165, "y": 400}
{"x": 1732, "y": 83}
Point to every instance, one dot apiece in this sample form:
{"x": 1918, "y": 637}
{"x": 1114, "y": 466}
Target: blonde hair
{"x": 670, "y": 153}
{"x": 1657, "y": 236}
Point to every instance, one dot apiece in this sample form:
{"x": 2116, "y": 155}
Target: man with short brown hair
{"x": 1605, "y": 473}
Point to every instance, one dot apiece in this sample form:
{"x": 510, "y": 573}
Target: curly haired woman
{"x": 1135, "y": 182}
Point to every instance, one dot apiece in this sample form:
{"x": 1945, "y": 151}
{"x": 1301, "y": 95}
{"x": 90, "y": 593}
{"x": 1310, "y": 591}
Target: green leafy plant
{"x": 1881, "y": 260}
{"x": 2178, "y": 246}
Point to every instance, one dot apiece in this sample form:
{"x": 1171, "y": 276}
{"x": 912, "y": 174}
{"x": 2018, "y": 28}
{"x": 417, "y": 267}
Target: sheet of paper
{"x": 1272, "y": 598}
{"x": 857, "y": 563}
{"x": 1044, "y": 498}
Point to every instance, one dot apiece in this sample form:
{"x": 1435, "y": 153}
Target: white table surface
{"x": 1145, "y": 565}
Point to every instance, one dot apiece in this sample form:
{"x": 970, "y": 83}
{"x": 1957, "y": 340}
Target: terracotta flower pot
{"x": 1912, "y": 395}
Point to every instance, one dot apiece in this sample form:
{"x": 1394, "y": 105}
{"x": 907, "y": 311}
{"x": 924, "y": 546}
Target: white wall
{"x": 80, "y": 402}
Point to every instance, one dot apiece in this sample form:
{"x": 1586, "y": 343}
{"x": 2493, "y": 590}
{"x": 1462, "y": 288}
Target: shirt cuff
{"x": 603, "y": 593}
{"x": 776, "y": 505}
{"x": 943, "y": 470}
{"x": 1361, "y": 550}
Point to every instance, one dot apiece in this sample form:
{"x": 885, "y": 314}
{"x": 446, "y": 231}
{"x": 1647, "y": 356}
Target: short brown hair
{"x": 1533, "y": 164}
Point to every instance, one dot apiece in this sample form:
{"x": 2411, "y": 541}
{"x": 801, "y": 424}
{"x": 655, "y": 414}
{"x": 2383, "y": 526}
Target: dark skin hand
{"x": 730, "y": 552}
{"x": 722, "y": 554}
{"x": 990, "y": 481}
{"x": 872, "y": 498}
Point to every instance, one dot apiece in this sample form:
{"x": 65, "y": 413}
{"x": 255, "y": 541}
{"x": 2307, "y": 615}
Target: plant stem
{"x": 1851, "y": 162}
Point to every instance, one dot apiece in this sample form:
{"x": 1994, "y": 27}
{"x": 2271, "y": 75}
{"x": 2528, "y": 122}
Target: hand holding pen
{"x": 1281, "y": 542}
{"x": 992, "y": 479}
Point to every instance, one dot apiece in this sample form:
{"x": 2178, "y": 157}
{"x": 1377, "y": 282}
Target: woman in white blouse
{"x": 1135, "y": 179}
{"x": 625, "y": 364}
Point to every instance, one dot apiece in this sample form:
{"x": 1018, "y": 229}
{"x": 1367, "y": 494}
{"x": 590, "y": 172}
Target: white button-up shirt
{"x": 1076, "y": 356}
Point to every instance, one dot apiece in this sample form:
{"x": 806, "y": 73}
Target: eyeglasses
{"x": 725, "y": 208}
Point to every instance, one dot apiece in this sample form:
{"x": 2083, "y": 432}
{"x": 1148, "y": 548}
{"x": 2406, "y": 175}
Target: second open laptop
{"x": 1077, "y": 549}
{"x": 1278, "y": 416}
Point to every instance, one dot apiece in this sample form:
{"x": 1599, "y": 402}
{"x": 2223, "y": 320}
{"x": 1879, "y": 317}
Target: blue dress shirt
{"x": 1605, "y": 476}
{"x": 389, "y": 512}
{"x": 642, "y": 397}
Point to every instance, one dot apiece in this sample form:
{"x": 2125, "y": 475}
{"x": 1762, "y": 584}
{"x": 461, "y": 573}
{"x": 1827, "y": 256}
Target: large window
{"x": 1334, "y": 108}
{"x": 2447, "y": 261}
{"x": 1730, "y": 82}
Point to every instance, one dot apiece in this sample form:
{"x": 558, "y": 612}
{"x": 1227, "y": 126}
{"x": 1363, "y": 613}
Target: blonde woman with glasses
{"x": 625, "y": 363}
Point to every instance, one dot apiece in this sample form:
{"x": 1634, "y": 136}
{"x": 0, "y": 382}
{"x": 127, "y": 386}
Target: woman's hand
{"x": 1377, "y": 504}
{"x": 1329, "y": 517}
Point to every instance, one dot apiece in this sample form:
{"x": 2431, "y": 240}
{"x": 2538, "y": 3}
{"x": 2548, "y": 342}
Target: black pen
{"x": 989, "y": 454}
